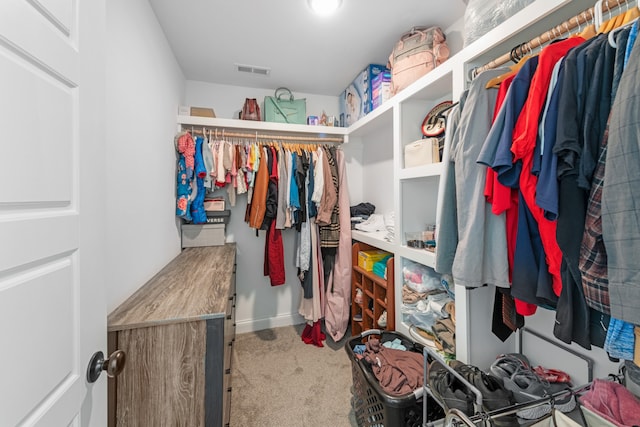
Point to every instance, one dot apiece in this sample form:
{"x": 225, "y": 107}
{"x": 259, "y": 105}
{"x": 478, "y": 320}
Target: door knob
{"x": 113, "y": 365}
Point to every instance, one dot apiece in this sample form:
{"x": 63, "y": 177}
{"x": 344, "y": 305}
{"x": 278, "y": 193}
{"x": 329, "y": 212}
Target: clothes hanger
{"x": 513, "y": 69}
{"x": 590, "y": 29}
{"x": 612, "y": 33}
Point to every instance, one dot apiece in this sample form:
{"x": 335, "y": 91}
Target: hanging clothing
{"x": 338, "y": 298}
{"x": 198, "y": 214}
{"x": 447, "y": 236}
{"x": 481, "y": 253}
{"x": 259, "y": 197}
{"x": 274, "y": 256}
{"x": 620, "y": 221}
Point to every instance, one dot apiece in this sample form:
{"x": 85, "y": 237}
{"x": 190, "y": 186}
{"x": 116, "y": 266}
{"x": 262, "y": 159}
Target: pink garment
{"x": 338, "y": 298}
{"x": 187, "y": 147}
{"x": 613, "y": 402}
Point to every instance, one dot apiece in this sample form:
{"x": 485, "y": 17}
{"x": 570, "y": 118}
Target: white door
{"x": 52, "y": 304}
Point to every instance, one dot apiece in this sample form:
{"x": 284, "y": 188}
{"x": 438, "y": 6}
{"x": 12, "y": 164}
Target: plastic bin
{"x": 374, "y": 407}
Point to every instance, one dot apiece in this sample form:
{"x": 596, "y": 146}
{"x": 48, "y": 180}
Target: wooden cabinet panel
{"x": 164, "y": 382}
{"x": 177, "y": 332}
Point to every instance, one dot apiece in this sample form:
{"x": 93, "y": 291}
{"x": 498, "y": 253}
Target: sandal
{"x": 552, "y": 375}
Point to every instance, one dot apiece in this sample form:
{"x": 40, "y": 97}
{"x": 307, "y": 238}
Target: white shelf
{"x": 421, "y": 256}
{"x": 433, "y": 169}
{"x": 251, "y": 125}
{"x": 375, "y": 238}
{"x": 381, "y": 117}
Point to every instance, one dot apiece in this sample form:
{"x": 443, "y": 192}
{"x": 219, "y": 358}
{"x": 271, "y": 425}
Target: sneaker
{"x": 357, "y": 318}
{"x": 527, "y": 386}
{"x": 506, "y": 365}
{"x": 382, "y": 321}
{"x": 449, "y": 390}
{"x": 494, "y": 394}
{"x": 374, "y": 223}
{"x": 358, "y": 297}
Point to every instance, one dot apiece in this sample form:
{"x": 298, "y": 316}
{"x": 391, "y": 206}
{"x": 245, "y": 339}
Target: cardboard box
{"x": 196, "y": 235}
{"x": 381, "y": 89}
{"x": 203, "y": 112}
{"x": 356, "y": 100}
{"x": 366, "y": 259}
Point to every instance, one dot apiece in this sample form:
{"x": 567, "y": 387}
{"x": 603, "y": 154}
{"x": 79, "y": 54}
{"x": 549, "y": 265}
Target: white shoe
{"x": 374, "y": 223}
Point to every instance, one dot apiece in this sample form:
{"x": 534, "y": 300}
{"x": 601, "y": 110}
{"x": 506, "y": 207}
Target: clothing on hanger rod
{"x": 564, "y": 28}
{"x": 272, "y": 137}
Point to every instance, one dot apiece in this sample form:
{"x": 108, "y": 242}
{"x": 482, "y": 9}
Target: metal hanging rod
{"x": 559, "y": 30}
{"x": 262, "y": 137}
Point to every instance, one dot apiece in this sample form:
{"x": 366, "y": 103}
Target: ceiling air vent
{"x": 262, "y": 71}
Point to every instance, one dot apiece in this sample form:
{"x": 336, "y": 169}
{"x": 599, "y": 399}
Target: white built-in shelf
{"x": 378, "y": 120}
{"x": 375, "y": 239}
{"x": 262, "y": 127}
{"x": 421, "y": 256}
{"x": 433, "y": 169}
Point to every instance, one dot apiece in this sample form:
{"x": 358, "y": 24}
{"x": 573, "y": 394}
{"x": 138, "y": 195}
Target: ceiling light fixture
{"x": 324, "y": 7}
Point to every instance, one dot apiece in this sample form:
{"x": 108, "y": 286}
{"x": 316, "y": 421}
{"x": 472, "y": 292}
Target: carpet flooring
{"x": 279, "y": 381}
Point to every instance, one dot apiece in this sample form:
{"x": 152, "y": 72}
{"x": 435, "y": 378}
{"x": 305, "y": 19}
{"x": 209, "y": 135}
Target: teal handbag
{"x": 285, "y": 109}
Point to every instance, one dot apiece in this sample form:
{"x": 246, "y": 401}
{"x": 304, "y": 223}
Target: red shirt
{"x": 505, "y": 199}
{"x": 524, "y": 141}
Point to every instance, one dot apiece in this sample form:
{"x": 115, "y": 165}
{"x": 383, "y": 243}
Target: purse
{"x": 421, "y": 152}
{"x": 287, "y": 110}
{"x": 251, "y": 109}
{"x": 415, "y": 54}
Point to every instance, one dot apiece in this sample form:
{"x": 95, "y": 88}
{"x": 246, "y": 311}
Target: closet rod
{"x": 270, "y": 137}
{"x": 549, "y": 35}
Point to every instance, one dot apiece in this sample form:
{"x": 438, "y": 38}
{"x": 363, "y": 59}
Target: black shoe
{"x": 449, "y": 390}
{"x": 494, "y": 395}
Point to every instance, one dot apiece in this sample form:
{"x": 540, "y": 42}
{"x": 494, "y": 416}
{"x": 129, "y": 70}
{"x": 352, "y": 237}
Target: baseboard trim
{"x": 244, "y": 326}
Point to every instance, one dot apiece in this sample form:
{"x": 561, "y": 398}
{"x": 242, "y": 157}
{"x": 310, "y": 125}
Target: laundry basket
{"x": 374, "y": 407}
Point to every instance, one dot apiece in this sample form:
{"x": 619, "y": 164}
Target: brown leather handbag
{"x": 251, "y": 109}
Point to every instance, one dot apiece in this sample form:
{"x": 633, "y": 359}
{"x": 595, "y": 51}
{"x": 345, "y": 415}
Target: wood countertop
{"x": 193, "y": 286}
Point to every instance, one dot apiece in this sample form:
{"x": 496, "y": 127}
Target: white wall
{"x": 227, "y": 100}
{"x": 259, "y": 305}
{"x": 145, "y": 85}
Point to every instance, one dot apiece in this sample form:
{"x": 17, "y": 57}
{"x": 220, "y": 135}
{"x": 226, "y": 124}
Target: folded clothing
{"x": 380, "y": 267}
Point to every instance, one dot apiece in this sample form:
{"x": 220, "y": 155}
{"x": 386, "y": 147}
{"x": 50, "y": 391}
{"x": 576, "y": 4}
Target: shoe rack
{"x": 377, "y": 295}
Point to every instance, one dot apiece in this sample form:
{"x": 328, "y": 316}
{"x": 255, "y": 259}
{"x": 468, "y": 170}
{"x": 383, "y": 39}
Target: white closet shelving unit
{"x": 413, "y": 193}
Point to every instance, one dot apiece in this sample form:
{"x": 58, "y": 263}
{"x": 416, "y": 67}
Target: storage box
{"x": 214, "y": 204}
{"x": 357, "y": 99}
{"x": 366, "y": 259}
{"x": 203, "y": 112}
{"x": 196, "y": 235}
{"x": 381, "y": 89}
{"x": 218, "y": 217}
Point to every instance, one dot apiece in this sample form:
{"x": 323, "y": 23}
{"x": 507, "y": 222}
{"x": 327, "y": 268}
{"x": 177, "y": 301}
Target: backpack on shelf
{"x": 416, "y": 53}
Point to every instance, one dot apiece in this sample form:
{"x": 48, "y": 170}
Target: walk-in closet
{"x": 272, "y": 214}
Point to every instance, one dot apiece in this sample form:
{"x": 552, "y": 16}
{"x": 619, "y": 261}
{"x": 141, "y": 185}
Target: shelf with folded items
{"x": 422, "y": 296}
{"x": 373, "y": 238}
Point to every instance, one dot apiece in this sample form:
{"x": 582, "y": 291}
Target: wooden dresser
{"x": 177, "y": 332}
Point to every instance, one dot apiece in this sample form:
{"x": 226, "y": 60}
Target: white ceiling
{"x": 306, "y": 53}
